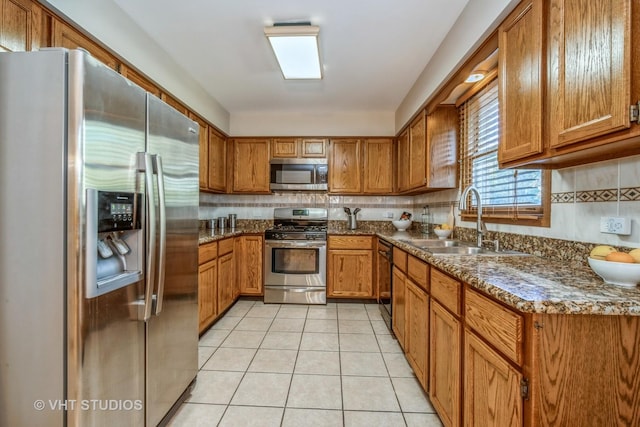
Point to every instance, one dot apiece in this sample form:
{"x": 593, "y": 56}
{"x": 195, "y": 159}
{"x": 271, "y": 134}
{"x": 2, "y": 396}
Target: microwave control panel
{"x": 118, "y": 211}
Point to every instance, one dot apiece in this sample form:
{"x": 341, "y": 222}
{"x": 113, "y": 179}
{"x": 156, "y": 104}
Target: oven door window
{"x": 295, "y": 260}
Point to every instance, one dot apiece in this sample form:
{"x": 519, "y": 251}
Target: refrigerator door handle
{"x": 151, "y": 230}
{"x": 162, "y": 253}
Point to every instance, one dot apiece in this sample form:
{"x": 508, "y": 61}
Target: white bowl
{"x": 401, "y": 224}
{"x": 442, "y": 234}
{"x": 616, "y": 273}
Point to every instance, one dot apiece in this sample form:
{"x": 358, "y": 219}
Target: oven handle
{"x": 280, "y": 244}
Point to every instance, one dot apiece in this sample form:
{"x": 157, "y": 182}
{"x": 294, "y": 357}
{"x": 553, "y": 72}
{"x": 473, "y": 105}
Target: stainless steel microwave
{"x": 299, "y": 175}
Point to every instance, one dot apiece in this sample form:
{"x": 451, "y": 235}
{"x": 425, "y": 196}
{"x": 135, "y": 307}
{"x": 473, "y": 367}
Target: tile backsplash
{"x": 580, "y": 196}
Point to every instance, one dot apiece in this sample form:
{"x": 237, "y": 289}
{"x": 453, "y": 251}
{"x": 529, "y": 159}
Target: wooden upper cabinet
{"x": 442, "y": 147}
{"x": 417, "y": 160}
{"x": 203, "y": 145}
{"x": 217, "y": 161}
{"x": 345, "y": 167}
{"x": 590, "y": 68}
{"x": 20, "y": 25}
{"x": 68, "y": 37}
{"x": 313, "y": 147}
{"x": 521, "y": 82}
{"x": 403, "y": 158}
{"x": 378, "y": 166}
{"x": 141, "y": 81}
{"x": 174, "y": 103}
{"x": 285, "y": 147}
{"x": 251, "y": 165}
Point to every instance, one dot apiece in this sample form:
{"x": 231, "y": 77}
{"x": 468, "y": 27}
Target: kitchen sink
{"x": 469, "y": 250}
{"x": 432, "y": 243}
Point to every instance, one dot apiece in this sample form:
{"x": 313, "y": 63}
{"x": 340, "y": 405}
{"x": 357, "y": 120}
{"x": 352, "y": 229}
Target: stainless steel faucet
{"x": 463, "y": 206}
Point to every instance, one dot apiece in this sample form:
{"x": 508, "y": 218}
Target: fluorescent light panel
{"x": 296, "y": 49}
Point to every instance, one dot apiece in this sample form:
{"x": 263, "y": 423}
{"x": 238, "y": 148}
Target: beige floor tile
{"x": 251, "y": 416}
{"x": 388, "y": 344}
{"x": 318, "y": 362}
{"x": 319, "y": 341}
{"x": 267, "y": 311}
{"x": 363, "y": 364}
{"x": 204, "y": 353}
{"x": 373, "y": 419}
{"x": 239, "y": 309}
{"x": 375, "y": 316}
{"x": 422, "y": 420}
{"x": 368, "y": 394}
{"x": 411, "y": 396}
{"x": 213, "y": 337}
{"x": 350, "y": 306}
{"x": 279, "y": 361}
{"x": 243, "y": 339}
{"x": 254, "y": 324}
{"x": 352, "y": 314}
{"x": 315, "y": 392}
{"x": 287, "y": 325}
{"x": 226, "y": 322}
{"x": 355, "y": 326}
{"x": 359, "y": 342}
{"x": 397, "y": 365}
{"x": 230, "y": 359}
{"x": 215, "y": 387}
{"x": 293, "y": 312}
{"x": 281, "y": 340}
{"x": 262, "y": 389}
{"x": 380, "y": 327}
{"x": 197, "y": 415}
{"x": 295, "y": 417}
{"x": 321, "y": 325}
{"x": 322, "y": 313}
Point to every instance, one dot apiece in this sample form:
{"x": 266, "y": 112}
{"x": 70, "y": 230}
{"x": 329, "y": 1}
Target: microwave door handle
{"x": 162, "y": 252}
{"x": 151, "y": 232}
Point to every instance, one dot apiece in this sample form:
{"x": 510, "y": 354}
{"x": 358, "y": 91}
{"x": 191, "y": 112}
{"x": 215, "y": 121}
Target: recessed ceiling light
{"x": 474, "y": 77}
{"x": 296, "y": 49}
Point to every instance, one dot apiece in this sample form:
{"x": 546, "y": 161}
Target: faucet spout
{"x": 463, "y": 206}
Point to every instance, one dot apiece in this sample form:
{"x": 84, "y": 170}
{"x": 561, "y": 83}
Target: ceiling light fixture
{"x": 475, "y": 76}
{"x": 296, "y": 49}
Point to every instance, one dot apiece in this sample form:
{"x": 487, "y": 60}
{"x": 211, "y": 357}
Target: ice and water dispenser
{"x": 114, "y": 241}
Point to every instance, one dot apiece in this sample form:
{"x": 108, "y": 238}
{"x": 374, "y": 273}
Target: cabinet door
{"x": 345, "y": 169}
{"x": 378, "y": 166}
{"x": 284, "y": 147}
{"x": 521, "y": 82}
{"x": 226, "y": 279}
{"x": 417, "y": 331}
{"x": 491, "y": 387}
{"x": 207, "y": 289}
{"x": 203, "y": 145}
{"x": 20, "y": 25}
{"x": 217, "y": 161}
{"x": 403, "y": 161}
{"x": 445, "y": 334}
{"x": 417, "y": 152}
{"x": 251, "y": 165}
{"x": 249, "y": 249}
{"x": 141, "y": 81}
{"x": 589, "y": 68}
{"x": 66, "y": 36}
{"x": 313, "y": 147}
{"x": 442, "y": 148}
{"x": 398, "y": 305}
{"x": 350, "y": 273}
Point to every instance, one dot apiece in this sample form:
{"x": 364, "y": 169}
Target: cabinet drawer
{"x": 225, "y": 246}
{"x": 400, "y": 259}
{"x": 350, "y": 242}
{"x": 418, "y": 271}
{"x": 498, "y": 325}
{"x": 446, "y": 290}
{"x": 207, "y": 252}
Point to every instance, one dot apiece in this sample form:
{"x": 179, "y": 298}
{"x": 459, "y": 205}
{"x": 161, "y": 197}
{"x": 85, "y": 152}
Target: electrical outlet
{"x": 615, "y": 225}
{"x": 388, "y": 215}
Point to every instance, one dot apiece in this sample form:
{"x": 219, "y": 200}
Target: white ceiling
{"x": 372, "y": 51}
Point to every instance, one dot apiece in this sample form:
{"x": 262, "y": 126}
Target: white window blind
{"x": 507, "y": 193}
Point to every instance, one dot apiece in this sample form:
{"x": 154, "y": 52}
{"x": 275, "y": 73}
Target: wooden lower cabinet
{"x": 350, "y": 267}
{"x": 417, "y": 331}
{"x": 207, "y": 289}
{"x": 216, "y": 280}
{"x": 491, "y": 386}
{"x": 398, "y": 305}
{"x": 226, "y": 281}
{"x": 445, "y": 335}
{"x": 249, "y": 271}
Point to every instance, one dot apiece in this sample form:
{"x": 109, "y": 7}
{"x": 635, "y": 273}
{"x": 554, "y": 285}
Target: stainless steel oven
{"x": 296, "y": 257}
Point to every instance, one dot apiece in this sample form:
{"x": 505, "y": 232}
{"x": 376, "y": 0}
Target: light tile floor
{"x": 291, "y": 365}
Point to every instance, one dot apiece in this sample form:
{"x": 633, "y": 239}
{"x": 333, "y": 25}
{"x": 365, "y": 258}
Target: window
{"x": 508, "y": 195}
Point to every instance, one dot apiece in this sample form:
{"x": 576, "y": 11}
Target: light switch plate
{"x": 615, "y": 225}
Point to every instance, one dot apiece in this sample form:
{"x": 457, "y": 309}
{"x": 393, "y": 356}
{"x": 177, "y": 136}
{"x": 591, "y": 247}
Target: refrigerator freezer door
{"x": 172, "y": 332}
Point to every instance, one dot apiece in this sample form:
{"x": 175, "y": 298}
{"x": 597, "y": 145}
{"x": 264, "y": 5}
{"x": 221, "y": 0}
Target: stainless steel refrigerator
{"x": 98, "y": 245}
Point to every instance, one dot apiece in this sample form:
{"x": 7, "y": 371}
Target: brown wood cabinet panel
{"x": 418, "y": 272}
{"x": 249, "y": 251}
{"x": 350, "y": 273}
{"x": 445, "y": 387}
{"x": 207, "y": 252}
{"x": 399, "y": 305}
{"x": 521, "y": 82}
{"x": 402, "y": 166}
{"x": 491, "y": 387}
{"x": 68, "y": 37}
{"x": 378, "y": 166}
{"x": 203, "y": 145}
{"x": 417, "y": 160}
{"x": 225, "y": 246}
{"x": 498, "y": 325}
{"x": 217, "y": 161}
{"x": 142, "y": 81}
{"x": 251, "y": 165}
{"x": 447, "y": 290}
{"x": 226, "y": 281}
{"x": 589, "y": 88}
{"x": 400, "y": 259}
{"x": 350, "y": 242}
{"x": 174, "y": 103}
{"x": 417, "y": 331}
{"x": 313, "y": 147}
{"x": 284, "y": 147}
{"x": 20, "y": 25}
{"x": 442, "y": 147}
{"x": 207, "y": 290}
{"x": 345, "y": 167}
